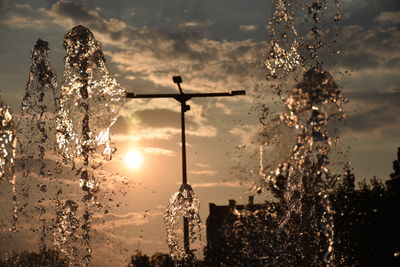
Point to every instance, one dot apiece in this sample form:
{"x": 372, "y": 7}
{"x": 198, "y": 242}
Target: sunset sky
{"x": 216, "y": 46}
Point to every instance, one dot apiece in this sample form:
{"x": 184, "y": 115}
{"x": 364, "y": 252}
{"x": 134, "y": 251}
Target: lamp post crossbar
{"x": 182, "y": 98}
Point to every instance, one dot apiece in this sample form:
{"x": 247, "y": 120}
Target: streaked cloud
{"x": 202, "y": 165}
{"x": 225, "y": 109}
{"x": 203, "y": 172}
{"x": 376, "y": 112}
{"x": 390, "y": 17}
{"x": 113, "y": 220}
{"x": 235, "y": 184}
{"x": 368, "y": 49}
{"x": 155, "y": 54}
{"x": 18, "y": 21}
{"x": 248, "y": 134}
{"x": 146, "y": 134}
{"x": 158, "y": 151}
{"x": 198, "y": 23}
{"x": 248, "y": 28}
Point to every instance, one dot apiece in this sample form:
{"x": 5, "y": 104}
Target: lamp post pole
{"x": 182, "y": 98}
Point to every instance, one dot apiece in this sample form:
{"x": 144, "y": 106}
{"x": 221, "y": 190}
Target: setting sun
{"x": 133, "y": 159}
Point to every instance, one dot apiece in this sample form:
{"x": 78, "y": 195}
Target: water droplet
{"x": 185, "y": 204}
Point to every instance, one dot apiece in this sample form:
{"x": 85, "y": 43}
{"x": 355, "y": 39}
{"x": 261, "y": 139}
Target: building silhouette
{"x": 239, "y": 235}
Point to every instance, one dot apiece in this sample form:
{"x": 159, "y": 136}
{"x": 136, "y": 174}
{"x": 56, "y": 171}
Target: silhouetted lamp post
{"x": 182, "y": 98}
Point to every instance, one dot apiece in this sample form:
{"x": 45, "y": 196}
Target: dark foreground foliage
{"x": 157, "y": 260}
{"x": 366, "y": 228}
{"x": 367, "y": 222}
{"x": 50, "y": 258}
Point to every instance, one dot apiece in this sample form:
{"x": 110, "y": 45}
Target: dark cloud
{"x": 389, "y": 17}
{"x": 121, "y": 126}
{"x": 158, "y": 118}
{"x": 365, "y": 12}
{"x": 363, "y": 48}
{"x": 361, "y": 60}
{"x": 380, "y": 111}
{"x": 393, "y": 63}
{"x": 91, "y": 18}
{"x": 73, "y": 11}
{"x": 177, "y": 39}
{"x": 162, "y": 118}
{"x": 394, "y": 89}
{"x": 372, "y": 120}
{"x": 139, "y": 85}
{"x": 160, "y": 13}
{"x": 388, "y": 99}
{"x": 391, "y": 135}
{"x": 157, "y": 52}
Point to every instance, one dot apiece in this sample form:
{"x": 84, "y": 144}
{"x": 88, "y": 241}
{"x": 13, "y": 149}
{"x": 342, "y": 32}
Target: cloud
{"x": 381, "y": 98}
{"x": 121, "y": 126}
{"x": 248, "y": 28}
{"x": 158, "y": 118}
{"x": 158, "y": 151}
{"x": 146, "y": 134}
{"x": 373, "y": 119}
{"x": 139, "y": 132}
{"x": 360, "y": 60}
{"x": 375, "y": 114}
{"x": 198, "y": 23}
{"x": 390, "y": 17}
{"x": 368, "y": 50}
{"x": 247, "y": 133}
{"x": 5, "y": 3}
{"x": 207, "y": 65}
{"x": 156, "y": 54}
{"x": 112, "y": 220}
{"x": 202, "y": 165}
{"x": 146, "y": 121}
{"x": 150, "y": 56}
{"x": 225, "y": 109}
{"x": 74, "y": 11}
{"x": 126, "y": 239}
{"x": 233, "y": 184}
{"x": 204, "y": 172}
{"x": 18, "y": 21}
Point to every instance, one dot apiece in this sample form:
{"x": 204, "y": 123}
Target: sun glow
{"x": 133, "y": 159}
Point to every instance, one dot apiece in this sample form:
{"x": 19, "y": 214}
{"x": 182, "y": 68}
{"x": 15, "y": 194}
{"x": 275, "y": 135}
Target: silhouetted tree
{"x": 139, "y": 260}
{"x": 159, "y": 260}
{"x": 347, "y": 182}
{"x": 367, "y": 223}
{"x": 162, "y": 260}
{"x": 49, "y": 258}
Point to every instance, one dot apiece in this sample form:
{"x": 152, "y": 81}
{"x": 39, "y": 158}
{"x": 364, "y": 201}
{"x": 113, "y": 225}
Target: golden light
{"x": 133, "y": 159}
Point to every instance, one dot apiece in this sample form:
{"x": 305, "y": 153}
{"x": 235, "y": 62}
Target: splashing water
{"x": 89, "y": 97}
{"x": 7, "y": 155}
{"x": 36, "y": 128}
{"x": 313, "y": 102}
{"x": 36, "y": 125}
{"x": 66, "y": 230}
{"x": 183, "y": 203}
{"x": 284, "y": 55}
{"x": 302, "y": 181}
{"x": 89, "y": 104}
